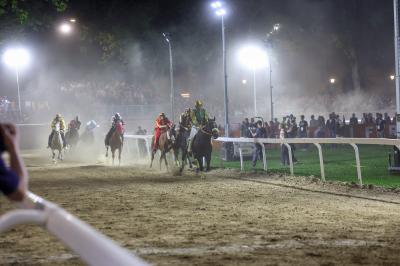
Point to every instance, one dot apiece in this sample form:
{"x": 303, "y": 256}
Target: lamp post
{"x": 221, "y": 12}
{"x": 254, "y": 58}
{"x": 17, "y": 58}
{"x": 171, "y": 72}
{"x": 275, "y": 29}
{"x": 397, "y": 63}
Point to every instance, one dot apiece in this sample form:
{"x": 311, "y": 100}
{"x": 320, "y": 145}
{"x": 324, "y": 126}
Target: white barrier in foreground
{"x": 317, "y": 142}
{"x": 93, "y": 247}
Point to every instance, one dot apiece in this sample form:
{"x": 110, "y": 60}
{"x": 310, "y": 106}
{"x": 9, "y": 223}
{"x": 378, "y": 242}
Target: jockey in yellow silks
{"x": 58, "y": 120}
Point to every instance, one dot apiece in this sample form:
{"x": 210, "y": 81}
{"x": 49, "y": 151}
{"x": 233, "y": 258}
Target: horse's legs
{"x": 119, "y": 156}
{"x": 54, "y": 154}
{"x": 152, "y": 157}
{"x": 113, "y": 156}
{"x": 106, "y": 151}
{"x": 199, "y": 160}
{"x": 165, "y": 159}
{"x": 208, "y": 161}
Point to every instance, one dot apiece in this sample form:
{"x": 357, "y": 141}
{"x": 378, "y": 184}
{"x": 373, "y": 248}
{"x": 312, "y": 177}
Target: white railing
{"x": 93, "y": 247}
{"x": 315, "y": 141}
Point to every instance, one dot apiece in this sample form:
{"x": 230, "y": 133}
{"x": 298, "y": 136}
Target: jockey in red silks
{"x": 162, "y": 125}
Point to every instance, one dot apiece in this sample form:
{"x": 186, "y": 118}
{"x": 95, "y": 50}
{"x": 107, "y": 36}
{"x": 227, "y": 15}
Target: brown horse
{"x": 116, "y": 142}
{"x": 164, "y": 145}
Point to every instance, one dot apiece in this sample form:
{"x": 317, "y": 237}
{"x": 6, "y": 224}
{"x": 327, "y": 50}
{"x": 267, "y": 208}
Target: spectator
{"x": 380, "y": 126}
{"x": 284, "y": 149}
{"x": 257, "y": 149}
{"x": 13, "y": 180}
{"x": 292, "y": 133}
{"x": 313, "y": 122}
{"x": 244, "y": 128}
{"x": 303, "y": 127}
{"x": 331, "y": 125}
{"x": 353, "y": 120}
{"x": 387, "y": 119}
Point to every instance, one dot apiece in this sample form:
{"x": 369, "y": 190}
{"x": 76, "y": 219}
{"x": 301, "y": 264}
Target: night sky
{"x": 349, "y": 40}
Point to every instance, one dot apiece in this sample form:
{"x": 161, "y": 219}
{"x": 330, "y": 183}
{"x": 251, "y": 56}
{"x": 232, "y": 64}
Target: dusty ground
{"x": 221, "y": 218}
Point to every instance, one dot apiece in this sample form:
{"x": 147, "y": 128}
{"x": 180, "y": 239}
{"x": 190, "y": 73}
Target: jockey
{"x": 74, "y": 124}
{"x": 162, "y": 125}
{"x": 199, "y": 118}
{"x": 115, "y": 119}
{"x": 60, "y": 121}
{"x": 185, "y": 119}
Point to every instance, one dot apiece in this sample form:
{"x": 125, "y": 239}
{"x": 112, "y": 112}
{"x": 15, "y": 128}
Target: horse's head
{"x": 119, "y": 127}
{"x": 212, "y": 128}
{"x": 172, "y": 132}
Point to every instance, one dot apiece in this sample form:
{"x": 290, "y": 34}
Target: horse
{"x": 201, "y": 143}
{"x": 181, "y": 141}
{"x": 164, "y": 145}
{"x": 72, "y": 137}
{"x": 56, "y": 144}
{"x": 116, "y": 142}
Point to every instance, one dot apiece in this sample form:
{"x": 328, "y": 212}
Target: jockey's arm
{"x": 62, "y": 124}
{"x": 53, "y": 124}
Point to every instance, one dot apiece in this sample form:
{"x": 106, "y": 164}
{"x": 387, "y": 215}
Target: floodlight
{"x": 65, "y": 28}
{"x": 253, "y": 57}
{"x": 244, "y": 82}
{"x": 392, "y": 77}
{"x": 16, "y": 57}
{"x": 332, "y": 81}
{"x": 216, "y": 4}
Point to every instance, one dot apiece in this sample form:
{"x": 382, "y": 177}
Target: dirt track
{"x": 221, "y": 218}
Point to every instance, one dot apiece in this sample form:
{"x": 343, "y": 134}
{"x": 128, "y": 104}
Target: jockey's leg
{"x": 50, "y": 137}
{"x": 193, "y": 132}
{"x": 108, "y": 136}
{"x": 63, "y": 139}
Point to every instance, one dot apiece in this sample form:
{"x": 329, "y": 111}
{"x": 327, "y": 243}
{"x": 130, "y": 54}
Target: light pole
{"x": 171, "y": 72}
{"x": 254, "y": 58}
{"x": 17, "y": 58}
{"x": 275, "y": 29}
{"x": 397, "y": 63}
{"x": 221, "y": 12}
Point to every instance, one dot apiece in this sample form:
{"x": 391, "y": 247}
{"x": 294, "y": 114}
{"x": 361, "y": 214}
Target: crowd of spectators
{"x": 317, "y": 127}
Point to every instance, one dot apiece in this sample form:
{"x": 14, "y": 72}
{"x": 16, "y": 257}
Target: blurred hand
{"x": 10, "y": 135}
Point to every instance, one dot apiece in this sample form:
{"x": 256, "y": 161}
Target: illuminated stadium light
{"x": 65, "y": 28}
{"x": 220, "y": 12}
{"x": 16, "y": 58}
{"x": 277, "y": 26}
{"x": 332, "y": 81}
{"x": 72, "y": 20}
{"x": 244, "y": 82}
{"x": 253, "y": 57}
{"x": 216, "y": 4}
{"x": 185, "y": 95}
{"x": 392, "y": 77}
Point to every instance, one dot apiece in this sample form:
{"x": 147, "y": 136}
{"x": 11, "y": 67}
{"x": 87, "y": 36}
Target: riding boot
{"x": 189, "y": 150}
{"x": 63, "y": 140}
{"x": 50, "y": 137}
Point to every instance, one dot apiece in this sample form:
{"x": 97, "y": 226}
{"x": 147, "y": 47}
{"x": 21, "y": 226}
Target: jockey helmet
{"x": 117, "y": 116}
{"x": 76, "y": 118}
{"x": 162, "y": 114}
{"x": 199, "y": 103}
{"x": 58, "y": 116}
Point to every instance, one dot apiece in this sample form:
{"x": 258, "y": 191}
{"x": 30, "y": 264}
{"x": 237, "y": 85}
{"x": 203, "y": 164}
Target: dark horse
{"x": 164, "y": 145}
{"x": 181, "y": 134}
{"x": 201, "y": 145}
{"x": 72, "y": 137}
{"x": 116, "y": 142}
